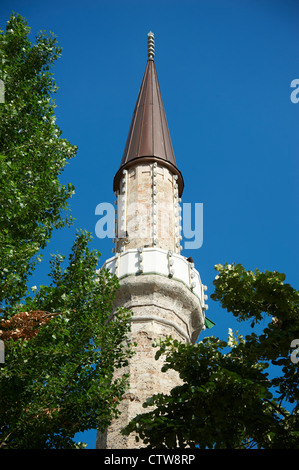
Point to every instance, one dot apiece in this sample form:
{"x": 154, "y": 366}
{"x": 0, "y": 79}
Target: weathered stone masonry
{"x": 159, "y": 285}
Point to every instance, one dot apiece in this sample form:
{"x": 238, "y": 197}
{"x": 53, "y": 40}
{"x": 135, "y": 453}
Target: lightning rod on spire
{"x": 150, "y": 45}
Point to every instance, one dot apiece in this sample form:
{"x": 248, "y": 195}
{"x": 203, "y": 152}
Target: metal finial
{"x": 150, "y": 45}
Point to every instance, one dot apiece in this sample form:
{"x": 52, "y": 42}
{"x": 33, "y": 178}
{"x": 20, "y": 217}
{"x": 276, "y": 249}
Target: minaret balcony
{"x": 135, "y": 262}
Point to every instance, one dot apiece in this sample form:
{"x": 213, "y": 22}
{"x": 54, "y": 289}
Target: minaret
{"x": 159, "y": 285}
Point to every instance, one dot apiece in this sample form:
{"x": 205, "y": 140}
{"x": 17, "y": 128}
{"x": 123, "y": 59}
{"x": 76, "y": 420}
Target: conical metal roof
{"x": 148, "y": 138}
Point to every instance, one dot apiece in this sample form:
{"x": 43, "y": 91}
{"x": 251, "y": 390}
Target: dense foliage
{"x": 32, "y": 155}
{"x": 60, "y": 348}
{"x": 227, "y": 398}
{"x": 60, "y": 354}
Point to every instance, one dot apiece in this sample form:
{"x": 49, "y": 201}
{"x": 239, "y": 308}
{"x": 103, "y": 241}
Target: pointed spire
{"x": 149, "y": 139}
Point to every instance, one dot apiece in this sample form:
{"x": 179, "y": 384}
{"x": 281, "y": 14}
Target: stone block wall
{"x": 162, "y": 307}
{"x": 149, "y": 194}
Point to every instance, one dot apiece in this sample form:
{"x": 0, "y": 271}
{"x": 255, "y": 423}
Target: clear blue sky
{"x": 225, "y": 69}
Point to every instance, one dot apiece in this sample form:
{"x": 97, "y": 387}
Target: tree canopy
{"x": 61, "y": 347}
{"x": 240, "y": 393}
{"x": 32, "y": 155}
{"x": 60, "y": 354}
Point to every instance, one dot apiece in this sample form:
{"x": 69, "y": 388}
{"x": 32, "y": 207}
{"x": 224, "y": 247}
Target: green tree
{"x": 227, "y": 398}
{"x": 61, "y": 348}
{"x": 33, "y": 154}
{"x": 60, "y": 354}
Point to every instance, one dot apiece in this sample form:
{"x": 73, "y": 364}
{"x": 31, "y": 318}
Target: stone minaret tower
{"x": 160, "y": 286}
